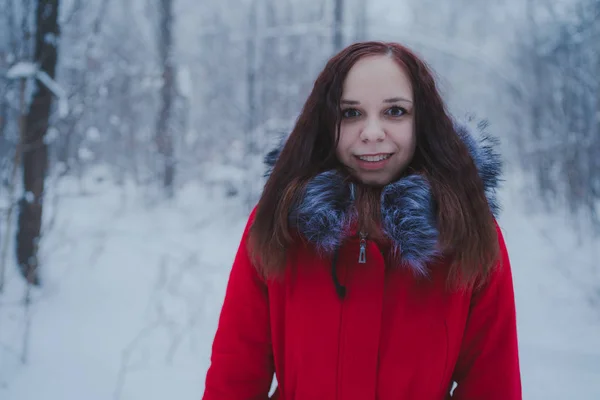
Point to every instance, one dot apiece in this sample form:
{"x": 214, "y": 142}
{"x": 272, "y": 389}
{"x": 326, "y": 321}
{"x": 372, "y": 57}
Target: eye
{"x": 350, "y": 113}
{"x": 395, "y": 111}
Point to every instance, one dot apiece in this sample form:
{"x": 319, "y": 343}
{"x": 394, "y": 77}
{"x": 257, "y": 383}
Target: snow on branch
{"x": 57, "y": 90}
{"x": 25, "y": 70}
{"x": 22, "y": 69}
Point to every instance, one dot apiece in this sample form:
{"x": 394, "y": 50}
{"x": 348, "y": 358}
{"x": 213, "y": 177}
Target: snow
{"x": 51, "y": 135}
{"x": 559, "y": 328}
{"x": 131, "y": 297}
{"x": 29, "y": 197}
{"x": 129, "y": 302}
{"x": 25, "y": 69}
{"x": 93, "y": 134}
{"x": 85, "y": 154}
{"x": 57, "y": 90}
{"x": 185, "y": 83}
{"x": 51, "y": 38}
{"x": 22, "y": 70}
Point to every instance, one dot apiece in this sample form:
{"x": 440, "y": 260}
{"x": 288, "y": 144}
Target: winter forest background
{"x": 131, "y": 141}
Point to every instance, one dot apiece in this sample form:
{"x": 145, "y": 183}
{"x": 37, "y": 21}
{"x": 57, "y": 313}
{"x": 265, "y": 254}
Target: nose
{"x": 372, "y": 131}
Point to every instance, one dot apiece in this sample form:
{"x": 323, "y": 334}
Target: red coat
{"x": 391, "y": 337}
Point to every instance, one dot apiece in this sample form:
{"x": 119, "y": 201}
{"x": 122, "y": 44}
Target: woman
{"x": 372, "y": 266}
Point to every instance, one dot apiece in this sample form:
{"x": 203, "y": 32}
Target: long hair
{"x": 467, "y": 233}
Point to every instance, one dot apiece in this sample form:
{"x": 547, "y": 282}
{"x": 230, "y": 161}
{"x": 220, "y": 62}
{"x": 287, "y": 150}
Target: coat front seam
{"x": 340, "y": 364}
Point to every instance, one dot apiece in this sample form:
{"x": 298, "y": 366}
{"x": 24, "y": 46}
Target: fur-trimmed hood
{"x": 323, "y": 215}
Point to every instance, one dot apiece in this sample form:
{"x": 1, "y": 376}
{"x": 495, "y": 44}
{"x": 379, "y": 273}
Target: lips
{"x": 372, "y": 162}
{"x": 374, "y": 157}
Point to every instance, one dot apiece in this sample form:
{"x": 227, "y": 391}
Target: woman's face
{"x": 377, "y": 135}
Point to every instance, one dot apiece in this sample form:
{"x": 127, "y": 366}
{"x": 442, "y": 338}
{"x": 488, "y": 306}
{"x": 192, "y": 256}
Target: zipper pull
{"x": 362, "y": 255}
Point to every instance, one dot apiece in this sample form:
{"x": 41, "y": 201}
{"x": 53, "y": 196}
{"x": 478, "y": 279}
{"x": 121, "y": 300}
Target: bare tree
{"x": 34, "y": 149}
{"x": 252, "y": 52}
{"x": 164, "y": 128}
{"x": 561, "y": 64}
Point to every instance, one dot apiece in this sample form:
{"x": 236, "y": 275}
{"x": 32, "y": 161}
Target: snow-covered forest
{"x": 132, "y": 135}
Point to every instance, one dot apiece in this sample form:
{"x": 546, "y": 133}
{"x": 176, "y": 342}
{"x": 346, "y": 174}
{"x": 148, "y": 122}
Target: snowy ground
{"x": 131, "y": 298}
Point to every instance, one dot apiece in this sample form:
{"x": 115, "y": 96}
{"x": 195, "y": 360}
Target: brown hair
{"x": 468, "y": 237}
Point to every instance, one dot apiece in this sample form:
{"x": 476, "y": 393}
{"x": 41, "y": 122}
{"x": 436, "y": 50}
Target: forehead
{"x": 377, "y": 77}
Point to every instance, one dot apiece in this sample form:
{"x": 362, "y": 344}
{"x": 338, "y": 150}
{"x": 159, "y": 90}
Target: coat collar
{"x": 323, "y": 215}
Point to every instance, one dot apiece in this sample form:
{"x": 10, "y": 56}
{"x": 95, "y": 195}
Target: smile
{"x": 375, "y": 157}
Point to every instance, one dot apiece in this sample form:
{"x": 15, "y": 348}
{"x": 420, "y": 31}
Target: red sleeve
{"x": 242, "y": 360}
{"x": 488, "y": 364}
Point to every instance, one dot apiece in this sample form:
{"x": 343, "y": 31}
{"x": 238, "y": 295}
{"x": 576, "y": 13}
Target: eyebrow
{"x": 397, "y": 99}
{"x": 391, "y": 100}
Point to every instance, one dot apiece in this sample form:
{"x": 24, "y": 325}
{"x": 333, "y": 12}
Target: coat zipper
{"x": 362, "y": 254}
{"x": 362, "y": 259}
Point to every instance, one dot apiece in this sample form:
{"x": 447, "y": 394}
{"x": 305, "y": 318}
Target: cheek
{"x": 406, "y": 138}
{"x": 345, "y": 143}
{"x": 412, "y": 143}
{"x": 338, "y": 152}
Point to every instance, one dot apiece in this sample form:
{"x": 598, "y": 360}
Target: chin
{"x": 374, "y": 181}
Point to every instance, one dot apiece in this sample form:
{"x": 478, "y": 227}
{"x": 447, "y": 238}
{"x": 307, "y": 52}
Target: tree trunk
{"x": 536, "y": 72}
{"x": 251, "y": 68}
{"x": 34, "y": 149}
{"x": 251, "y": 118}
{"x": 164, "y": 134}
{"x": 338, "y": 37}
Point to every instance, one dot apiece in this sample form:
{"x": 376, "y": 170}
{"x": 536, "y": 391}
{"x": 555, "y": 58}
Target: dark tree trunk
{"x": 164, "y": 134}
{"x": 33, "y": 147}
